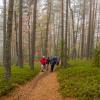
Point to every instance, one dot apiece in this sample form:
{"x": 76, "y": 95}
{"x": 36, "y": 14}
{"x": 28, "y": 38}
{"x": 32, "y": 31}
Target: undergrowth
{"x": 81, "y": 80}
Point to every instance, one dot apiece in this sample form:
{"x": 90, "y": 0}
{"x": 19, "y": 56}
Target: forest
{"x": 32, "y": 29}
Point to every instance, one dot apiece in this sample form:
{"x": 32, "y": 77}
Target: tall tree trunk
{"x": 16, "y": 26}
{"x": 29, "y": 42}
{"x": 83, "y": 30}
{"x": 93, "y": 26}
{"x": 62, "y": 33}
{"x": 66, "y": 36}
{"x": 20, "y": 54}
{"x": 4, "y": 31}
{"x": 98, "y": 28}
{"x": 33, "y": 35}
{"x": 58, "y": 37}
{"x": 41, "y": 42}
{"x": 7, "y": 60}
{"x": 77, "y": 32}
{"x": 74, "y": 33}
{"x": 89, "y": 31}
{"x": 69, "y": 41}
{"x": 47, "y": 27}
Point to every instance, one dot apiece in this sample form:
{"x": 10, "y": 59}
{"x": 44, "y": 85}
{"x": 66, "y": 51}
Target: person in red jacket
{"x": 43, "y": 61}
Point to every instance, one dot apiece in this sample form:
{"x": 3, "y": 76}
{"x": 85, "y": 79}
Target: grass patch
{"x": 19, "y": 76}
{"x": 81, "y": 80}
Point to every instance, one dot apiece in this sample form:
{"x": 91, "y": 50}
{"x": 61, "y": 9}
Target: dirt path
{"x": 43, "y": 87}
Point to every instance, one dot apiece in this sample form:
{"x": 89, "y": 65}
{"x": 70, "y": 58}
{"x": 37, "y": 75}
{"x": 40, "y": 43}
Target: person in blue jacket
{"x": 53, "y": 62}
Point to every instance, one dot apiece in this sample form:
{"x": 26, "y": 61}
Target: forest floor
{"x": 70, "y": 82}
{"x": 44, "y": 87}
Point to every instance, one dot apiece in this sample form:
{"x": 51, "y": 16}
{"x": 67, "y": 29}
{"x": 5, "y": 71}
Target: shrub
{"x": 19, "y": 76}
{"x": 97, "y": 57}
{"x": 81, "y": 81}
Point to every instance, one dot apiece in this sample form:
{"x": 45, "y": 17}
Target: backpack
{"x": 53, "y": 61}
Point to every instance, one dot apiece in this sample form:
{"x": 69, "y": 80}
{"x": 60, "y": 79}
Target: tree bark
{"x": 4, "y": 31}
{"x": 29, "y": 38}
{"x": 7, "y": 61}
{"x": 83, "y": 27}
{"x": 62, "y": 33}
{"x": 89, "y": 31}
{"x": 66, "y": 37}
{"x": 47, "y": 27}
{"x": 16, "y": 26}
{"x": 20, "y": 54}
{"x": 33, "y": 35}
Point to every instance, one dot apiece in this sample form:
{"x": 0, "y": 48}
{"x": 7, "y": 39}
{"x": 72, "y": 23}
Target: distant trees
{"x": 67, "y": 28}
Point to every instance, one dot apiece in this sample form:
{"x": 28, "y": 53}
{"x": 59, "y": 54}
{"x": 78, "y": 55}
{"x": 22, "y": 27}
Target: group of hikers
{"x": 49, "y": 61}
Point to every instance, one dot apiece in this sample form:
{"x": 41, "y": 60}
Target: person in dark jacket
{"x": 53, "y": 62}
{"x": 47, "y": 63}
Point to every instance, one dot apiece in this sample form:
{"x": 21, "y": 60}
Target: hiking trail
{"x": 43, "y": 87}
